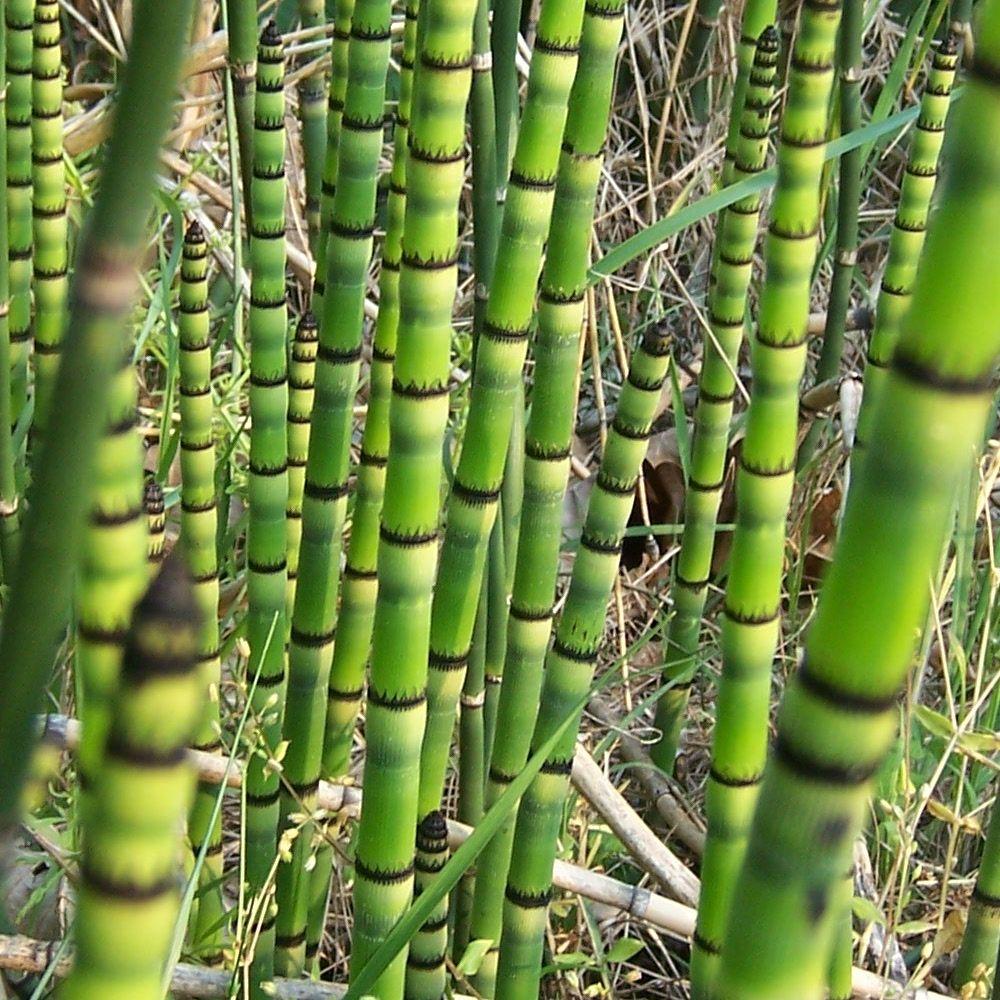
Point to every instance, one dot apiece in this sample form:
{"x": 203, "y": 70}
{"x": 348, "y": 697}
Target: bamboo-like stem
{"x": 839, "y": 713}
{"x": 732, "y": 267}
{"x": 548, "y": 439}
{"x": 766, "y": 475}
{"x": 909, "y": 227}
{"x": 839, "y": 976}
{"x": 503, "y": 46}
{"x": 501, "y": 348}
{"x": 426, "y": 969}
{"x": 570, "y": 663}
{"x": 696, "y": 61}
{"x": 50, "y": 229}
{"x": 267, "y": 575}
{"x": 408, "y": 534}
{"x": 241, "y": 17}
{"x": 127, "y": 901}
{"x": 324, "y": 508}
{"x": 199, "y": 524}
{"x": 156, "y": 523}
{"x": 312, "y": 116}
{"x": 977, "y": 958}
{"x": 20, "y": 23}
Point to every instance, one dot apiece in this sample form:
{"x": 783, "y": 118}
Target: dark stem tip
{"x": 307, "y": 324}
{"x": 769, "y": 40}
{"x": 170, "y": 597}
{"x": 270, "y": 36}
{"x": 951, "y": 43}
{"x": 194, "y": 234}
{"x": 433, "y": 830}
{"x": 152, "y": 497}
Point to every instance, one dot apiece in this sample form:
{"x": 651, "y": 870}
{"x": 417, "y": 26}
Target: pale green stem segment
{"x": 409, "y": 529}
{"x": 127, "y": 899}
{"x": 20, "y": 23}
{"x": 569, "y": 669}
{"x": 268, "y": 486}
{"x": 349, "y": 248}
{"x": 501, "y": 347}
{"x": 70, "y": 471}
{"x": 751, "y": 618}
{"x": 732, "y": 269}
{"x": 312, "y": 116}
{"x": 839, "y": 713}
{"x": 548, "y": 439}
{"x": 241, "y": 17}
{"x": 909, "y": 226}
{"x": 156, "y": 523}
{"x": 50, "y": 230}
{"x": 977, "y": 959}
{"x": 426, "y": 968}
{"x": 199, "y": 523}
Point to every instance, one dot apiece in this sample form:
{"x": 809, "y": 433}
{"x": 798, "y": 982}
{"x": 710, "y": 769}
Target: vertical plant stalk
{"x": 500, "y": 352}
{"x": 696, "y": 64}
{"x": 127, "y": 899}
{"x": 909, "y": 227}
{"x": 301, "y": 386}
{"x": 268, "y": 484}
{"x": 840, "y": 976}
{"x": 312, "y": 116}
{"x": 349, "y": 249}
{"x": 839, "y": 713}
{"x": 199, "y": 524}
{"x": 156, "y": 523}
{"x": 20, "y": 23}
{"x": 766, "y": 475}
{"x": 569, "y": 668}
{"x": 977, "y": 958}
{"x": 241, "y": 18}
{"x": 732, "y": 268}
{"x": 408, "y": 533}
{"x": 548, "y": 440}
{"x": 426, "y": 969}
{"x": 101, "y": 297}
{"x": 503, "y": 46}
{"x": 50, "y": 230}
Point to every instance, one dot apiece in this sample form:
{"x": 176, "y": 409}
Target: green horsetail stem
{"x": 909, "y": 227}
{"x": 156, "y": 523}
{"x": 241, "y": 19}
{"x": 839, "y": 713}
{"x": 199, "y": 522}
{"x": 10, "y": 518}
{"x": 335, "y": 109}
{"x": 268, "y": 482}
{"x": 127, "y": 898}
{"x": 360, "y": 584}
{"x": 407, "y": 547}
{"x": 501, "y": 347}
{"x": 569, "y": 667}
{"x": 51, "y": 233}
{"x": 312, "y": 115}
{"x": 732, "y": 269}
{"x": 547, "y": 450}
{"x": 324, "y": 508}
{"x": 977, "y": 958}
{"x": 301, "y": 383}
{"x": 20, "y": 23}
{"x": 101, "y": 297}
{"x": 426, "y": 968}
{"x": 696, "y": 65}
{"x": 766, "y": 475}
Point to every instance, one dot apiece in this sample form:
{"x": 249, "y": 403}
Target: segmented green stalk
{"x": 156, "y": 523}
{"x": 199, "y": 522}
{"x": 500, "y": 352}
{"x": 547, "y": 451}
{"x": 241, "y": 18}
{"x": 51, "y": 259}
{"x": 312, "y": 115}
{"x": 127, "y": 899}
{"x": 324, "y": 508}
{"x": 268, "y": 478}
{"x": 978, "y": 957}
{"x": 408, "y": 533}
{"x": 569, "y": 668}
{"x": 20, "y": 23}
{"x": 69, "y": 468}
{"x": 426, "y": 971}
{"x": 10, "y": 518}
{"x": 838, "y": 717}
{"x": 301, "y": 383}
{"x": 360, "y": 583}
{"x": 696, "y": 65}
{"x": 752, "y": 619}
{"x": 335, "y": 109}
{"x": 732, "y": 267}
{"x": 908, "y": 229}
